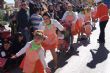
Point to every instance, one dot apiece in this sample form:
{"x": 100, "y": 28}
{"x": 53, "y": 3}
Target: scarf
{"x": 35, "y": 46}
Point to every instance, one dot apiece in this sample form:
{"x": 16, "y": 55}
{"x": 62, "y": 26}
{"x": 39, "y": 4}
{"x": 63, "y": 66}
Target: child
{"x": 49, "y": 27}
{"x": 36, "y": 18}
{"x": 63, "y": 44}
{"x": 87, "y": 26}
{"x": 5, "y": 54}
{"x": 18, "y": 43}
{"x": 34, "y": 59}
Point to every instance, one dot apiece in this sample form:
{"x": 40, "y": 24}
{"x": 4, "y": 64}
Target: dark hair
{"x": 36, "y": 9}
{"x": 47, "y": 14}
{"x": 7, "y": 42}
{"x": 99, "y": 2}
{"x": 19, "y": 34}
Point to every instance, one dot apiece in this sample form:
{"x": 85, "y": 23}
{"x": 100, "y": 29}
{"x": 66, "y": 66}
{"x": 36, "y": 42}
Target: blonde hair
{"x": 40, "y": 34}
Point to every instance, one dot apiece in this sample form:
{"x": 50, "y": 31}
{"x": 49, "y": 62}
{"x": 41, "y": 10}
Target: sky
{"x": 9, "y": 1}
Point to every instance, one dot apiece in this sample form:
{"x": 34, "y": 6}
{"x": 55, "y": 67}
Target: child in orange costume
{"x": 87, "y": 26}
{"x": 49, "y": 27}
{"x": 77, "y": 28}
{"x": 34, "y": 59}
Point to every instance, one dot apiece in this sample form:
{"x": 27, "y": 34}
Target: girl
{"x": 79, "y": 24}
{"x": 49, "y": 27}
{"x": 34, "y": 59}
{"x": 87, "y": 26}
{"x": 6, "y": 64}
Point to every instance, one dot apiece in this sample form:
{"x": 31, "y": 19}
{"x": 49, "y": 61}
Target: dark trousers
{"x": 102, "y": 31}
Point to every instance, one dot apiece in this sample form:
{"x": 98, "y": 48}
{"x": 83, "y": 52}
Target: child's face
{"x": 38, "y": 40}
{"x": 20, "y": 38}
{"x": 46, "y": 19}
{"x": 6, "y": 46}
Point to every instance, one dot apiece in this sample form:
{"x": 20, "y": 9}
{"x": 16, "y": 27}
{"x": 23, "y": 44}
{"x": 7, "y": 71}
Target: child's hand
{"x": 48, "y": 70}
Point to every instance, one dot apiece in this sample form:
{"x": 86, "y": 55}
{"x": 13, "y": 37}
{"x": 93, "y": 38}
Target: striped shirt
{"x": 35, "y": 20}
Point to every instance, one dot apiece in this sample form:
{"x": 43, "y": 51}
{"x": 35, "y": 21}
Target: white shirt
{"x": 53, "y": 22}
{"x": 67, "y": 13}
{"x": 81, "y": 16}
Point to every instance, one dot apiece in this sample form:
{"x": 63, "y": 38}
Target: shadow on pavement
{"x": 61, "y": 61}
{"x": 64, "y": 56}
{"x": 98, "y": 57}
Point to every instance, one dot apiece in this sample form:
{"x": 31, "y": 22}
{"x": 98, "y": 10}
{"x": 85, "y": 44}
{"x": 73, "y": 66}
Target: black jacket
{"x": 22, "y": 19}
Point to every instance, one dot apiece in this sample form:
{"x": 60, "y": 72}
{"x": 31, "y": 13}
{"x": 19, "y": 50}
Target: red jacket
{"x": 102, "y": 12}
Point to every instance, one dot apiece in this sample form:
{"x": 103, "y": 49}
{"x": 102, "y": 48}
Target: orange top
{"x": 87, "y": 17}
{"x": 69, "y": 18}
{"x": 52, "y": 40}
{"x": 102, "y": 12}
{"x": 30, "y": 61}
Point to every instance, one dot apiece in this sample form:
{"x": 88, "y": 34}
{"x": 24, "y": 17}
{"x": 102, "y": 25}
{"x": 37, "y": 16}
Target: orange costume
{"x": 52, "y": 41}
{"x": 87, "y": 26}
{"x": 31, "y": 63}
{"x": 34, "y": 58}
{"x": 76, "y": 28}
{"x": 50, "y": 31}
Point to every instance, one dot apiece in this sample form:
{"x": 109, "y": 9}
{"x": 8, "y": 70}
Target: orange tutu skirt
{"x": 49, "y": 46}
{"x": 74, "y": 28}
{"x": 38, "y": 68}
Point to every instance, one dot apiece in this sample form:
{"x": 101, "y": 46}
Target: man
{"x": 23, "y": 21}
{"x": 102, "y": 14}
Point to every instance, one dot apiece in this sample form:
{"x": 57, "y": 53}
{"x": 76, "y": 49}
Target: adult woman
{"x": 70, "y": 19}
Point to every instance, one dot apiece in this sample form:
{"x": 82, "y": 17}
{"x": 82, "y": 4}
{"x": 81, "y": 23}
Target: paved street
{"x": 78, "y": 64}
